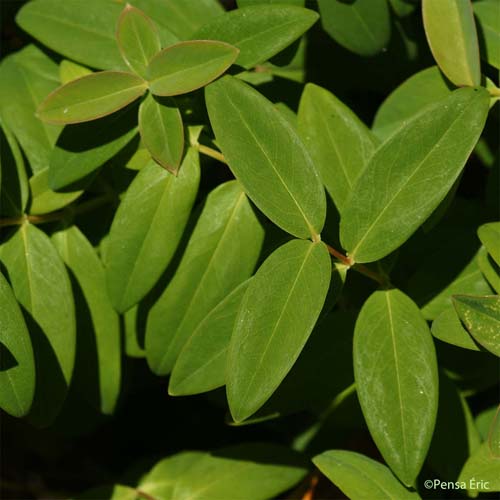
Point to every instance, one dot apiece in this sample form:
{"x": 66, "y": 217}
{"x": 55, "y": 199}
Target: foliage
{"x": 219, "y": 233}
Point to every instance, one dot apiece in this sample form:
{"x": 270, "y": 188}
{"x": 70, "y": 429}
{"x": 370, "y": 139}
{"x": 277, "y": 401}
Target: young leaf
{"x": 489, "y": 268}
{"x": 221, "y": 254}
{"x": 260, "y": 31}
{"x": 453, "y": 43}
{"x": 201, "y": 365}
{"x": 133, "y": 347}
{"x": 17, "y": 374}
{"x": 398, "y": 396}
{"x": 41, "y": 285}
{"x": 448, "y": 328}
{"x": 147, "y": 229}
{"x": 425, "y": 157}
{"x": 162, "y": 132}
{"x": 489, "y": 234}
{"x": 85, "y": 266}
{"x": 481, "y": 317}
{"x": 276, "y": 317}
{"x": 267, "y": 157}
{"x": 338, "y": 141}
{"x": 69, "y": 71}
{"x": 361, "y": 477}
{"x": 486, "y": 12}
{"x": 82, "y": 30}
{"x": 137, "y": 39}
{"x": 362, "y": 26}
{"x": 91, "y": 97}
{"x": 481, "y": 472}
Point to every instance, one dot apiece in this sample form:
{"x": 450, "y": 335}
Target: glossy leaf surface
{"x": 69, "y": 71}
{"x": 267, "y": 157}
{"x": 276, "y": 317}
{"x": 398, "y": 397}
{"x": 489, "y": 234}
{"x": 389, "y": 203}
{"x": 91, "y": 97}
{"x": 147, "y": 229}
{"x": 222, "y": 252}
{"x": 260, "y": 31}
{"x": 187, "y": 66}
{"x": 453, "y": 43}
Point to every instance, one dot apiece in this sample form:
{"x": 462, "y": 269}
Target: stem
{"x": 145, "y": 495}
{"x": 213, "y": 153}
{"x": 340, "y": 256}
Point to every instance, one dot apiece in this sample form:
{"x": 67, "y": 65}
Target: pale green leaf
{"x": 276, "y": 316}
{"x": 361, "y": 477}
{"x": 488, "y": 17}
{"x": 84, "y": 264}
{"x": 339, "y": 142}
{"x": 147, "y": 229}
{"x": 162, "y": 132}
{"x": 133, "y": 347}
{"x": 69, "y": 71}
{"x": 396, "y": 377}
{"x": 201, "y": 365}
{"x": 362, "y": 26}
{"x": 187, "y": 66}
{"x": 481, "y": 472}
{"x": 448, "y": 328}
{"x": 481, "y": 317}
{"x": 137, "y": 38}
{"x": 489, "y": 234}
{"x": 41, "y": 285}
{"x": 259, "y": 31}
{"x": 410, "y": 174}
{"x": 489, "y": 268}
{"x": 267, "y": 157}
{"x": 90, "y": 97}
{"x": 453, "y": 43}
{"x": 26, "y": 77}
{"x": 221, "y": 253}
{"x": 17, "y": 374}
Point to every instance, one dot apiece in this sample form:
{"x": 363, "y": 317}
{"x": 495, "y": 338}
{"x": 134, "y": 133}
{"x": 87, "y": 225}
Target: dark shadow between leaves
{"x": 7, "y": 359}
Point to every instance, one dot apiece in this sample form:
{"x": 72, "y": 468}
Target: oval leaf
{"x": 339, "y": 142}
{"x": 425, "y": 157}
{"x": 162, "y": 132}
{"x": 486, "y": 12}
{"x": 267, "y": 157}
{"x": 260, "y": 31}
{"x": 276, "y": 317}
{"x": 17, "y": 374}
{"x": 221, "y": 254}
{"x": 137, "y": 39}
{"x": 489, "y": 234}
{"x": 398, "y": 396}
{"x": 453, "y": 43}
{"x": 147, "y": 229}
{"x": 187, "y": 66}
{"x": 91, "y": 97}
{"x": 361, "y": 477}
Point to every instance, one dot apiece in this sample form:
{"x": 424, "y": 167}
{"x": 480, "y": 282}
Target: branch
{"x": 213, "y": 153}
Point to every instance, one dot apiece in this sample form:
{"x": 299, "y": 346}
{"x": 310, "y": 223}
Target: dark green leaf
{"x": 267, "y": 157}
{"x": 486, "y": 12}
{"x": 396, "y": 377}
{"x": 489, "y": 268}
{"x": 489, "y": 234}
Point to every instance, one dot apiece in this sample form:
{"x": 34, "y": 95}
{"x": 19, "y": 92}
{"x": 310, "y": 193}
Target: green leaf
{"x": 147, "y": 229}
{"x": 395, "y": 369}
{"x": 277, "y": 314}
{"x": 26, "y": 77}
{"x": 69, "y": 71}
{"x": 489, "y": 268}
{"x": 162, "y": 131}
{"x": 389, "y": 204}
{"x": 339, "y": 142}
{"x": 17, "y": 374}
{"x": 260, "y": 31}
{"x": 217, "y": 475}
{"x": 453, "y": 43}
{"x": 360, "y": 477}
{"x": 267, "y": 157}
{"x": 221, "y": 253}
{"x": 137, "y": 38}
{"x": 74, "y": 29}
{"x": 448, "y": 328}
{"x": 84, "y": 147}
{"x": 247, "y": 3}
{"x": 481, "y": 317}
{"x": 403, "y": 8}
{"x": 489, "y": 234}
{"x": 110, "y": 492}
{"x": 414, "y": 94}
{"x": 84, "y": 264}
{"x": 486, "y": 13}
{"x": 362, "y": 26}
{"x": 91, "y": 97}
{"x": 133, "y": 347}
{"x": 43, "y": 199}
{"x": 187, "y": 66}
{"x": 201, "y": 365}
{"x": 41, "y": 285}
